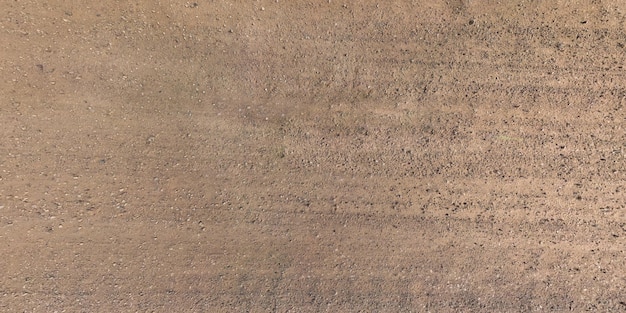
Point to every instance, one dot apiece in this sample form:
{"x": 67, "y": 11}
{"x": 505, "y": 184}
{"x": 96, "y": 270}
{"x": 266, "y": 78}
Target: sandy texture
{"x": 307, "y": 156}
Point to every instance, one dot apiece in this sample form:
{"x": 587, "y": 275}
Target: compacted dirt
{"x": 307, "y": 156}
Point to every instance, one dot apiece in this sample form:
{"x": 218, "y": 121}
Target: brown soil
{"x": 306, "y": 156}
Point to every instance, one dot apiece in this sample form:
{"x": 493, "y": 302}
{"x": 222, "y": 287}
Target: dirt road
{"x": 311, "y": 156}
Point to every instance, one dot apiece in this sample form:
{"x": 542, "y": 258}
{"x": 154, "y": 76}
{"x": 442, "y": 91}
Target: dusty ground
{"x": 306, "y": 156}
